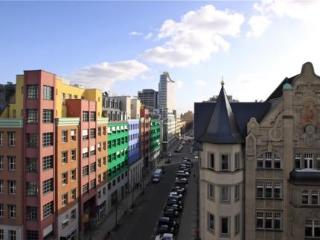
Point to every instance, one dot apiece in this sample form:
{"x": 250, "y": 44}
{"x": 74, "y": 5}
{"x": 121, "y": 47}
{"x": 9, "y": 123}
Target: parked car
{"x": 179, "y": 189}
{"x": 176, "y": 207}
{"x": 180, "y": 182}
{"x": 165, "y": 236}
{"x": 172, "y": 201}
{"x": 164, "y": 229}
{"x": 171, "y": 213}
{"x": 168, "y": 221}
{"x": 155, "y": 180}
{"x": 182, "y": 174}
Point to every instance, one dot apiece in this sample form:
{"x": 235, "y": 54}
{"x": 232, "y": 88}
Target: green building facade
{"x": 155, "y": 135}
{"x": 118, "y": 146}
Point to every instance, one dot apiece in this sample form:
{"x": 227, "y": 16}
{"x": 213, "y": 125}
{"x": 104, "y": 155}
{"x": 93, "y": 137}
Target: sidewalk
{"x": 100, "y": 231}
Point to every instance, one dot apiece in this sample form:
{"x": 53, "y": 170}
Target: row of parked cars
{"x": 168, "y": 224}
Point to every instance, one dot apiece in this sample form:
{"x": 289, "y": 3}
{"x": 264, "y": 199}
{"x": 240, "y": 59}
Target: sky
{"x": 124, "y": 46}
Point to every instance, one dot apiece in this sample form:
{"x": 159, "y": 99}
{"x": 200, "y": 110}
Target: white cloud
{"x": 299, "y": 9}
{"x": 134, "y": 33}
{"x": 104, "y": 75}
{"x": 200, "y": 83}
{"x": 268, "y": 10}
{"x": 258, "y": 25}
{"x": 195, "y": 37}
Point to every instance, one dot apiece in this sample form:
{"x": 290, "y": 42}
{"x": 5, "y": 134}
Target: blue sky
{"x": 125, "y": 46}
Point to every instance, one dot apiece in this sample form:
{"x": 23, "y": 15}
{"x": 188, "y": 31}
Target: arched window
{"x": 269, "y": 160}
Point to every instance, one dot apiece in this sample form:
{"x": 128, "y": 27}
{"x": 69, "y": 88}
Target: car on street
{"x": 165, "y": 229}
{"x": 171, "y": 213}
{"x": 182, "y": 174}
{"x": 180, "y": 182}
{"x": 179, "y": 189}
{"x": 172, "y": 201}
{"x": 168, "y": 221}
{"x": 155, "y": 180}
{"x": 176, "y": 207}
{"x": 165, "y": 236}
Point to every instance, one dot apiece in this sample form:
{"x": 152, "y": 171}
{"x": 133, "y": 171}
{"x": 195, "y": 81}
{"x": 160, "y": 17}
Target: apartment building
{"x": 145, "y": 137}
{"x": 118, "y": 147}
{"x": 155, "y": 144}
{"x": 135, "y": 162}
{"x": 149, "y": 98}
{"x": 260, "y": 164}
{"x": 49, "y": 135}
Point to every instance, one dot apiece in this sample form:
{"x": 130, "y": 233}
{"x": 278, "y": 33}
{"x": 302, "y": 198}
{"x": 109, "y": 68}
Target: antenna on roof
{"x": 222, "y": 82}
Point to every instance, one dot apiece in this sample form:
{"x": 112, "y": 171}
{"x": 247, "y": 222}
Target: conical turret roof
{"x": 222, "y": 127}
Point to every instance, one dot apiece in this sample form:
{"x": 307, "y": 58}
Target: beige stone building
{"x": 260, "y": 163}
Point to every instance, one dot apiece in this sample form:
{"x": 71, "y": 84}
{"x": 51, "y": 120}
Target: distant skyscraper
{"x": 149, "y": 98}
{"x": 167, "y": 93}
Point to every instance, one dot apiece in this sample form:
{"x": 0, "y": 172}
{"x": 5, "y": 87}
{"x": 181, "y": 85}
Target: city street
{"x": 141, "y": 222}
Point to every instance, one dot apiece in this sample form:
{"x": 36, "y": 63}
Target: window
{"x": 11, "y": 163}
{"x": 85, "y": 170}
{"x": 32, "y": 235}
{"x": 237, "y": 192}
{"x": 74, "y": 174}
{"x": 85, "y": 116}
{"x": 32, "y": 213}
{"x": 224, "y": 226}
{"x": 31, "y": 165}
{"x": 99, "y": 131}
{"x": 47, "y": 162}
{"x": 225, "y": 162}
{"x": 92, "y": 167}
{"x": 1, "y": 186}
{"x": 85, "y": 153}
{"x": 64, "y": 157}
{"x": 64, "y": 177}
{"x": 297, "y": 160}
{"x": 237, "y": 164}
{"x": 308, "y": 160}
{"x": 47, "y": 209}
{"x": 64, "y": 199}
{"x": 92, "y": 116}
{"x": 269, "y": 220}
{"x": 32, "y": 140}
{"x": 11, "y": 186}
{"x": 74, "y": 154}
{"x": 11, "y": 139}
{"x": 92, "y": 183}
{"x": 12, "y": 235}
{"x": 277, "y": 191}
{"x": 64, "y": 136}
{"x": 92, "y": 150}
{"x": 268, "y": 190}
{"x": 1, "y": 162}
{"x": 12, "y": 211}
{"x": 74, "y": 193}
{"x": 210, "y": 191}
{"x": 73, "y": 214}
{"x": 225, "y": 194}
{"x": 47, "y": 185}
{"x": 32, "y": 188}
{"x": 312, "y": 228}
{"x": 260, "y": 190}
{"x": 1, "y": 138}
{"x": 211, "y": 160}
{"x": 47, "y": 93}
{"x": 32, "y": 91}
{"x": 269, "y": 160}
{"x": 305, "y": 197}
{"x": 210, "y": 222}
{"x": 259, "y": 220}
{"x": 32, "y": 115}
{"x": 237, "y": 224}
{"x": 47, "y": 139}
{"x": 47, "y": 116}
{"x": 85, "y": 134}
{"x": 314, "y": 198}
{"x": 85, "y": 188}
{"x": 1, "y": 210}
{"x": 73, "y": 134}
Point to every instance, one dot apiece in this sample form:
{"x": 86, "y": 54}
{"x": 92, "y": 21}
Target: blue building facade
{"x": 134, "y": 141}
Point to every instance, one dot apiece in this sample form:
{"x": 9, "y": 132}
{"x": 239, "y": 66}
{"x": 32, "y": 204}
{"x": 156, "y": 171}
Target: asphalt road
{"x": 141, "y": 223}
